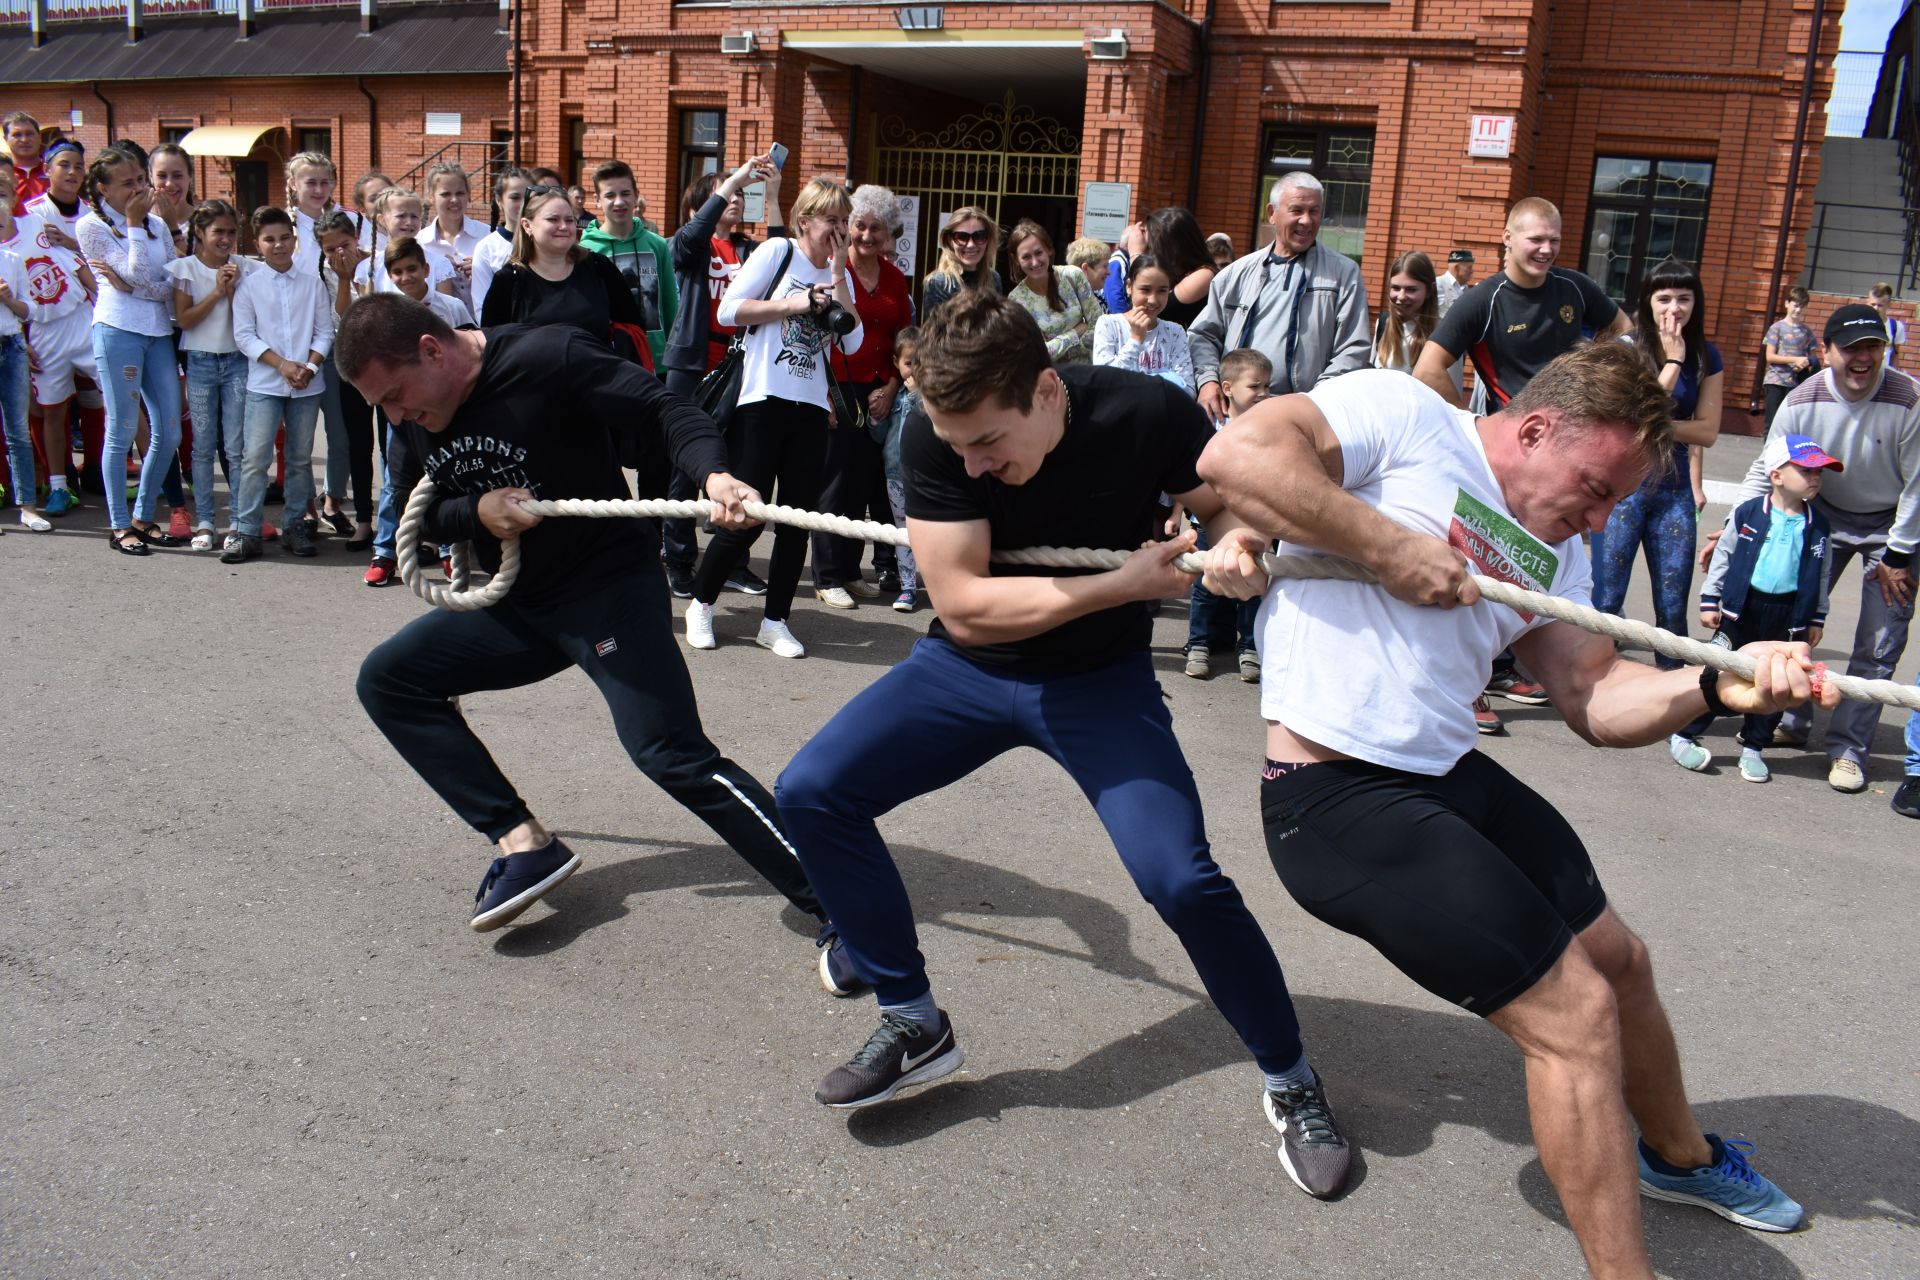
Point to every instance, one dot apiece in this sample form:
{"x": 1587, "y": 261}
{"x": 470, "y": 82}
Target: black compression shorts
{"x": 1471, "y": 884}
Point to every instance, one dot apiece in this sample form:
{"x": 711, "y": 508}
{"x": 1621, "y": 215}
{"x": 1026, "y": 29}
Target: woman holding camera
{"x": 794, "y": 298}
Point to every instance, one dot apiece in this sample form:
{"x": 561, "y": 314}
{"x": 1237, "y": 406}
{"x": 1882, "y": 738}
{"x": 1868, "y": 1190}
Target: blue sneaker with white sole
{"x": 519, "y": 880}
{"x": 1730, "y": 1187}
{"x": 836, "y": 966}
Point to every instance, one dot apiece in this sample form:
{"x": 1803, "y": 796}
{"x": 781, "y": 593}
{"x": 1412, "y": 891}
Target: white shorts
{"x": 63, "y": 347}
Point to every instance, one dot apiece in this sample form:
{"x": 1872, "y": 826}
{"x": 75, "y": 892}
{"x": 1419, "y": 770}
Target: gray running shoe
{"x": 896, "y": 1056}
{"x": 1312, "y": 1150}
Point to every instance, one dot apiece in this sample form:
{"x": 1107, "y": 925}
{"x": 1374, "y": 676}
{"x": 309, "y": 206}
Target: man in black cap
{"x": 1868, "y": 417}
{"x": 1454, "y": 280}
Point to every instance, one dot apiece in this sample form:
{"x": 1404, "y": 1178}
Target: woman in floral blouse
{"x": 1058, "y": 298}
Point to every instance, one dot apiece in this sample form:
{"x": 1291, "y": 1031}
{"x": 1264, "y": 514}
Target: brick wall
{"x": 141, "y": 109}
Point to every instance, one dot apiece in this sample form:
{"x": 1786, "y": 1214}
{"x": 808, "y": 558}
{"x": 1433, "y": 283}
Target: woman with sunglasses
{"x": 968, "y": 245}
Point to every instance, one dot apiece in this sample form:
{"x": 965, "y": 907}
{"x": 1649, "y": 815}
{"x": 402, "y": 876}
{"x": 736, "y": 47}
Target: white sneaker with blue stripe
{"x": 1731, "y": 1187}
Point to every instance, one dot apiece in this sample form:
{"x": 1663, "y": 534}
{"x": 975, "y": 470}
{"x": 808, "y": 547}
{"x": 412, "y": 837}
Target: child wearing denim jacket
{"x": 1768, "y": 581}
{"x": 887, "y": 433}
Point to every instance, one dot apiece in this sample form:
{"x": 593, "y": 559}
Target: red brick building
{"x": 1023, "y": 107}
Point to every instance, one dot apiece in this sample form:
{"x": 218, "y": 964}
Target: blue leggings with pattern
{"x": 1663, "y": 521}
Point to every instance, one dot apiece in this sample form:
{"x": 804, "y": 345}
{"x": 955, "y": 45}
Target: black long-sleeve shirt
{"x": 545, "y": 415}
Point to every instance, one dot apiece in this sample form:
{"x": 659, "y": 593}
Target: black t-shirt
{"x": 544, "y": 416}
{"x": 591, "y": 298}
{"x": 1129, "y": 439}
{"x": 1511, "y": 333}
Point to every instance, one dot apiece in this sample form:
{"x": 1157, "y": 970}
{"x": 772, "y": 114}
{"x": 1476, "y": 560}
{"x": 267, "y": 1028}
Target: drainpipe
{"x": 1200, "y": 105}
{"x": 518, "y": 5}
{"x": 1793, "y": 183}
{"x": 373, "y": 123}
{"x": 95, "y": 86}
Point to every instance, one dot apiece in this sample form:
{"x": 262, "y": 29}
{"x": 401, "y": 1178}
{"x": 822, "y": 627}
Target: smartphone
{"x": 779, "y": 154}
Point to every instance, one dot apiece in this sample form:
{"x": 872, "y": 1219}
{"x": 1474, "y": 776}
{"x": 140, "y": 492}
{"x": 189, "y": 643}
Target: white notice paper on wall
{"x": 443, "y": 124}
{"x": 907, "y": 245}
{"x": 753, "y": 203}
{"x": 1107, "y": 207}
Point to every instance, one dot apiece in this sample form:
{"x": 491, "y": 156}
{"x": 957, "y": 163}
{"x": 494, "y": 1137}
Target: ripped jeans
{"x": 134, "y": 368}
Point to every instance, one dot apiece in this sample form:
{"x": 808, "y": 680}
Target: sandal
{"x": 155, "y": 536}
{"x": 116, "y": 540}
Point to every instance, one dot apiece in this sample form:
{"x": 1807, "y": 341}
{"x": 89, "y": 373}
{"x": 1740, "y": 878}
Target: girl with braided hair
{"x": 129, "y": 249}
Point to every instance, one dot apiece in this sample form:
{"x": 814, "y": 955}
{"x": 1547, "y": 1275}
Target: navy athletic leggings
{"x": 621, "y": 636}
{"x": 939, "y": 716}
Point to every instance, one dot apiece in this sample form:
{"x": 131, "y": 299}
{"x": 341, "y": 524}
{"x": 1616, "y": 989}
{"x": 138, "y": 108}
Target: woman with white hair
{"x": 855, "y": 481}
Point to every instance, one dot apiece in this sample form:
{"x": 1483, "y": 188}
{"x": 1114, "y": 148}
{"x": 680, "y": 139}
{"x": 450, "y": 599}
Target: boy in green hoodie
{"x": 642, "y": 257}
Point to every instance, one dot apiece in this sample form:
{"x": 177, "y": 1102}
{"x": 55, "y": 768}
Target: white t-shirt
{"x": 450, "y": 309}
{"x": 15, "y": 274}
{"x": 489, "y": 256}
{"x": 53, "y": 289}
{"x": 1352, "y": 668}
{"x": 375, "y": 269}
{"x": 786, "y": 357}
{"x": 214, "y": 333}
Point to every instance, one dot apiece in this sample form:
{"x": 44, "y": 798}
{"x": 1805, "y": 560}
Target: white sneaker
{"x": 778, "y": 637}
{"x": 1844, "y": 775}
{"x": 835, "y": 597}
{"x": 35, "y": 521}
{"x": 700, "y": 625}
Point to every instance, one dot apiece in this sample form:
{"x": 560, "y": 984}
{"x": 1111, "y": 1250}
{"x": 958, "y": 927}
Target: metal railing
{"x": 19, "y": 12}
{"x": 1904, "y": 273}
{"x": 483, "y": 161}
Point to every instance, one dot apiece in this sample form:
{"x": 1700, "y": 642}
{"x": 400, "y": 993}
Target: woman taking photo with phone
{"x": 794, "y": 297}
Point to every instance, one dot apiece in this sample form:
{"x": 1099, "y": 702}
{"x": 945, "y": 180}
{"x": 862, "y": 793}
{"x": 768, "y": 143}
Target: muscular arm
{"x": 978, "y": 609}
{"x": 1280, "y": 468}
{"x": 1435, "y": 369}
{"x": 1612, "y": 701}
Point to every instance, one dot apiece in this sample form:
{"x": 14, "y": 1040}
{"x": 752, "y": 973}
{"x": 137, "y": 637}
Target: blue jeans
{"x": 13, "y": 418}
{"x": 386, "y": 521}
{"x": 1913, "y": 744}
{"x": 939, "y": 716}
{"x": 264, "y": 414}
{"x": 1219, "y": 622}
{"x": 134, "y": 368}
{"x": 217, "y": 402}
{"x": 1663, "y": 521}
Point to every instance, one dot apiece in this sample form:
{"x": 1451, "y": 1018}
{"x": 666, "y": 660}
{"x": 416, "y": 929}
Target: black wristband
{"x": 1896, "y": 559}
{"x": 1681, "y": 363}
{"x": 1710, "y": 690}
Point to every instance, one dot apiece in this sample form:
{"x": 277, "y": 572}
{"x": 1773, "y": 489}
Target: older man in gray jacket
{"x": 1298, "y": 302}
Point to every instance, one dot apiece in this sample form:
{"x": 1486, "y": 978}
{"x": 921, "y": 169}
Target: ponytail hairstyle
{"x": 1388, "y": 344}
{"x": 302, "y": 162}
{"x": 204, "y": 215}
{"x": 392, "y": 195}
{"x": 101, "y": 172}
{"x": 360, "y": 187}
{"x": 1024, "y": 230}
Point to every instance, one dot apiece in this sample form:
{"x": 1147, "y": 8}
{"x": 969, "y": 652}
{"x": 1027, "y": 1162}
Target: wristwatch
{"x": 1710, "y": 690}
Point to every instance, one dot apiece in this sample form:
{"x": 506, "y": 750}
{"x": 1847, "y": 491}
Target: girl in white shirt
{"x": 1138, "y": 338}
{"x": 129, "y": 250}
{"x": 494, "y": 252}
{"x": 778, "y": 436}
{"x": 452, "y": 235}
{"x": 311, "y": 179}
{"x": 398, "y": 211}
{"x": 203, "y": 285}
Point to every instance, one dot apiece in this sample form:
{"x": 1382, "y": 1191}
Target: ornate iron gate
{"x": 1002, "y": 154}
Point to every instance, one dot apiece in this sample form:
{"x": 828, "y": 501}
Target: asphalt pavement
{"x": 246, "y": 1030}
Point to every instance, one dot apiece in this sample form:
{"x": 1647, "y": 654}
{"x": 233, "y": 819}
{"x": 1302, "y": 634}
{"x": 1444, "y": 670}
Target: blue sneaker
{"x": 1732, "y": 1188}
{"x": 516, "y": 882}
{"x": 59, "y": 502}
{"x": 836, "y": 967}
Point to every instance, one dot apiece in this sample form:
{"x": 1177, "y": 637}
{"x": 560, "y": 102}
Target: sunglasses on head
{"x": 969, "y": 237}
{"x": 545, "y": 189}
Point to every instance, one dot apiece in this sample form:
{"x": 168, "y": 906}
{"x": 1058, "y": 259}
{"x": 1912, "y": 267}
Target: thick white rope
{"x": 1623, "y": 631}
